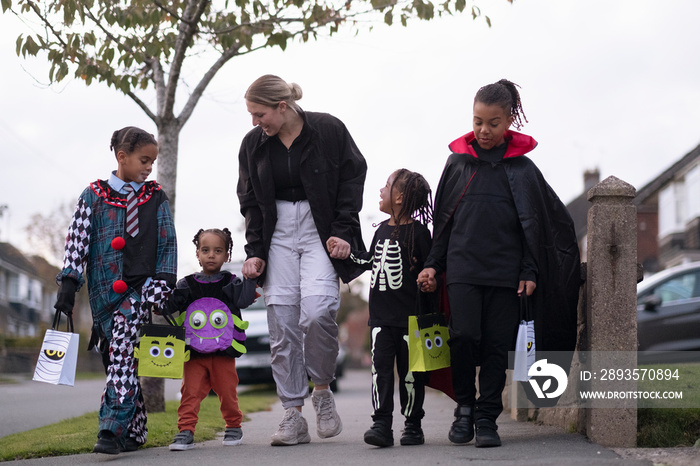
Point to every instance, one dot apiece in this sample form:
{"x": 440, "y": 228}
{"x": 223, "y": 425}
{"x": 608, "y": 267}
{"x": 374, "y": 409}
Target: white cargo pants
{"x": 302, "y": 294}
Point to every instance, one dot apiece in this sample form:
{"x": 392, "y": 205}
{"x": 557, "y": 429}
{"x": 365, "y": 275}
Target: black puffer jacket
{"x": 547, "y": 225}
{"x": 333, "y": 175}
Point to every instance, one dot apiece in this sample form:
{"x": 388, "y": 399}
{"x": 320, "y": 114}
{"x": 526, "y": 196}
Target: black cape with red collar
{"x": 548, "y": 228}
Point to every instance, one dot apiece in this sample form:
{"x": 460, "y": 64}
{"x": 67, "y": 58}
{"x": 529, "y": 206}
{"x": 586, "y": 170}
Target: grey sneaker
{"x": 183, "y": 441}
{"x": 293, "y": 429}
{"x": 233, "y": 436}
{"x": 328, "y": 422}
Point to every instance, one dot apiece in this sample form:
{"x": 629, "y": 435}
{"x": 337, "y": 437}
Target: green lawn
{"x": 671, "y": 427}
{"x": 78, "y": 435}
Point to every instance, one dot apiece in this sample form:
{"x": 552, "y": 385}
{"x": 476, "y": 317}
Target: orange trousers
{"x": 202, "y": 374}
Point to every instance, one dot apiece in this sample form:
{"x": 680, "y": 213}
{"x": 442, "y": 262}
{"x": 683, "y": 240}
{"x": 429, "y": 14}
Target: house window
{"x": 672, "y": 213}
{"x": 13, "y": 287}
{"x": 3, "y": 286}
{"x": 692, "y": 183}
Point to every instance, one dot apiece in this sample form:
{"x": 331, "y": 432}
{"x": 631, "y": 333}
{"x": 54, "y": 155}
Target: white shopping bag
{"x": 524, "y": 345}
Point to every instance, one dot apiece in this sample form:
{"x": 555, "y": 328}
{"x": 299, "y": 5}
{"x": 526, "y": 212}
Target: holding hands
{"x": 338, "y": 248}
{"x": 253, "y": 267}
{"x": 426, "y": 280}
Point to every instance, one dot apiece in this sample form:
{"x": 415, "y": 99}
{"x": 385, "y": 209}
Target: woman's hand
{"x": 338, "y": 248}
{"x": 426, "y": 280}
{"x": 527, "y": 286}
{"x": 253, "y": 267}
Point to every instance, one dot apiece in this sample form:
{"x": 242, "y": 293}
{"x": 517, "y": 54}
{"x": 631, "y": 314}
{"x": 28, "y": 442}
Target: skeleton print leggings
{"x": 389, "y": 346}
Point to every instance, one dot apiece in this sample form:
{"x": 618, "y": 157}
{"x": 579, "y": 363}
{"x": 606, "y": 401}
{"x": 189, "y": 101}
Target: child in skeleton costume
{"x": 122, "y": 237}
{"x": 397, "y": 253}
{"x": 209, "y": 303}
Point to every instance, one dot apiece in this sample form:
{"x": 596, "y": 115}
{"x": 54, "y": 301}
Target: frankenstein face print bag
{"x": 161, "y": 349}
{"x": 427, "y": 336}
{"x": 58, "y": 358}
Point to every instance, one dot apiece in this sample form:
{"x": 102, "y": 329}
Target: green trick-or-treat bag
{"x": 161, "y": 351}
{"x": 427, "y": 342}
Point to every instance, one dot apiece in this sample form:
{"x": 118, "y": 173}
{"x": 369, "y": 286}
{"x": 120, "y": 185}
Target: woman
{"x": 301, "y": 179}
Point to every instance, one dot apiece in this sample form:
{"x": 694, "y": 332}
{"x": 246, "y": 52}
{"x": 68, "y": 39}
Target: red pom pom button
{"x": 118, "y": 243}
{"x": 119, "y": 286}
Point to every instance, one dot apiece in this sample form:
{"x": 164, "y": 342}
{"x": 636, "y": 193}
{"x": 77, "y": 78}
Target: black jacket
{"x": 333, "y": 175}
{"x": 548, "y": 228}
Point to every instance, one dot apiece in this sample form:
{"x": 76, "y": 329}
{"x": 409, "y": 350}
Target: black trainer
{"x": 106, "y": 443}
{"x": 486, "y": 435}
{"x": 412, "y": 433}
{"x": 462, "y": 430}
{"x": 380, "y": 435}
{"x": 131, "y": 444}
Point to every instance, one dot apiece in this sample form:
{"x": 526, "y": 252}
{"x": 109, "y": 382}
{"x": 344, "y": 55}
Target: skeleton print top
{"x": 393, "y": 288}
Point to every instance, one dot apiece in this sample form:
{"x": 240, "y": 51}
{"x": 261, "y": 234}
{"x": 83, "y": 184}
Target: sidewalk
{"x": 523, "y": 443}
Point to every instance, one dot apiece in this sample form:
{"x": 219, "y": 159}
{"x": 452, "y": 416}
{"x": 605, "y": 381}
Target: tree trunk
{"x": 154, "y": 394}
{"x": 168, "y": 138}
{"x": 153, "y": 387}
{"x": 168, "y": 142}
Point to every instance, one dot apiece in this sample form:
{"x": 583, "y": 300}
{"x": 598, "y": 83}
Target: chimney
{"x": 590, "y": 179}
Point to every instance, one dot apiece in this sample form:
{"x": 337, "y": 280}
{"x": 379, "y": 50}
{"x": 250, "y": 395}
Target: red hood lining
{"x": 518, "y": 144}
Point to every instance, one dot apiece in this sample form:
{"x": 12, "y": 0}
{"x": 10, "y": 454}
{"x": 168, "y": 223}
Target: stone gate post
{"x": 611, "y": 297}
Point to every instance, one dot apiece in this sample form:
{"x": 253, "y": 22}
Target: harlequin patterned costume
{"x": 210, "y": 307}
{"x": 122, "y": 274}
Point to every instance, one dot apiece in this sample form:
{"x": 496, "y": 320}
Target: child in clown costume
{"x": 209, "y": 303}
{"x": 130, "y": 261}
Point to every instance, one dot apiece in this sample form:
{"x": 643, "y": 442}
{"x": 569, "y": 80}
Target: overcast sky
{"x": 613, "y": 85}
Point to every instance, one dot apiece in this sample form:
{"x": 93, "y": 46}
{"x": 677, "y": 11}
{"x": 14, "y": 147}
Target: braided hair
{"x": 130, "y": 138}
{"x": 504, "y": 94}
{"x": 417, "y": 204}
{"x": 224, "y": 234}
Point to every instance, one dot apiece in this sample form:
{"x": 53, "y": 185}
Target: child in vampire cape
{"x": 500, "y": 233}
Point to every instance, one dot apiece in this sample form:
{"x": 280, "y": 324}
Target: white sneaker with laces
{"x": 328, "y": 422}
{"x": 293, "y": 429}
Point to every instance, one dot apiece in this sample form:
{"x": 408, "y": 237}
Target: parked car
{"x": 254, "y": 367}
{"x": 668, "y": 315}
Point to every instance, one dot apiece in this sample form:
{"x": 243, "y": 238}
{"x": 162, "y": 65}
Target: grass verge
{"x": 667, "y": 427}
{"x": 672, "y": 427}
{"x": 78, "y": 435}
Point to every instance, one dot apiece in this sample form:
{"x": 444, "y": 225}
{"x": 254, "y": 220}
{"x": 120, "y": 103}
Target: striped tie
{"x": 132, "y": 212}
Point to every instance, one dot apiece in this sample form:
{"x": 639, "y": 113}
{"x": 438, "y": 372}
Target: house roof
{"x": 13, "y": 256}
{"x": 653, "y": 187}
{"x": 46, "y": 271}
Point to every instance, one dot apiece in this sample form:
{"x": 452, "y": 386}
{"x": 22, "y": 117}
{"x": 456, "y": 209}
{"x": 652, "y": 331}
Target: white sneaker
{"x": 328, "y": 422}
{"x": 293, "y": 429}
